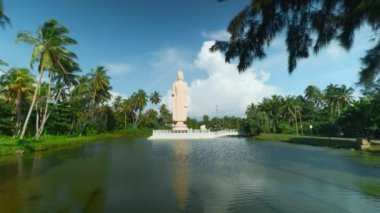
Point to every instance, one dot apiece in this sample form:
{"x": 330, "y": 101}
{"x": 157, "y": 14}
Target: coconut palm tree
{"x": 165, "y": 115}
{"x": 49, "y": 51}
{"x": 139, "y": 101}
{"x": 272, "y": 108}
{"x": 16, "y": 85}
{"x": 314, "y": 95}
{"x": 344, "y": 96}
{"x": 117, "y": 103}
{"x": 155, "y": 97}
{"x": 100, "y": 85}
{"x": 61, "y": 81}
{"x": 291, "y": 109}
{"x": 337, "y": 98}
{"x": 126, "y": 108}
{"x": 329, "y": 94}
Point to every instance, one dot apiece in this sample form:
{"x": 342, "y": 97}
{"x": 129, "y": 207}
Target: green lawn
{"x": 9, "y": 145}
{"x": 346, "y": 143}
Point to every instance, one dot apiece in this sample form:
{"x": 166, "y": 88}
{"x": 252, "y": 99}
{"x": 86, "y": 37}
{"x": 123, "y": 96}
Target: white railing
{"x": 191, "y": 131}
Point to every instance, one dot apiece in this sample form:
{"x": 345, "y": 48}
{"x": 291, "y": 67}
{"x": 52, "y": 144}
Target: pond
{"x": 221, "y": 175}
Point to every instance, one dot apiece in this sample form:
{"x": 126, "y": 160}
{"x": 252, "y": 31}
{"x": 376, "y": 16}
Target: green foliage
{"x": 309, "y": 25}
{"x": 4, "y": 20}
{"x": 192, "y": 123}
{"x": 362, "y": 119}
{"x": 258, "y": 121}
{"x": 155, "y": 97}
{"x": 5, "y": 118}
{"x": 9, "y": 145}
{"x": 314, "y": 141}
{"x": 328, "y": 113}
{"x": 52, "y": 55}
{"x": 165, "y": 115}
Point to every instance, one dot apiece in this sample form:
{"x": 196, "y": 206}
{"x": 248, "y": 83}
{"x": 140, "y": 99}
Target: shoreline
{"x": 337, "y": 143}
{"x": 9, "y": 145}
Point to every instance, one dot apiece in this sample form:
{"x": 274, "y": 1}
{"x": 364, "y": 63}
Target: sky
{"x": 143, "y": 43}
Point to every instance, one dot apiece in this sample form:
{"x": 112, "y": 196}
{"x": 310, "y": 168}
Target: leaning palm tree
{"x": 16, "y": 85}
{"x": 155, "y": 97}
{"x": 49, "y": 51}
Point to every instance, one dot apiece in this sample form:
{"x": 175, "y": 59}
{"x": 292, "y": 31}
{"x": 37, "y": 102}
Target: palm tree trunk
{"x": 45, "y": 115}
{"x": 301, "y": 123}
{"x": 18, "y": 112}
{"x": 338, "y": 109}
{"x": 33, "y": 101}
{"x": 296, "y": 123}
{"x": 93, "y": 98}
{"x": 37, "y": 121}
{"x": 125, "y": 120}
{"x": 71, "y": 127}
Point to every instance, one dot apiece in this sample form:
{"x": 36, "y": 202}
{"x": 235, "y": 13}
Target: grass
{"x": 374, "y": 148}
{"x": 346, "y": 143}
{"x": 371, "y": 189}
{"x": 9, "y": 145}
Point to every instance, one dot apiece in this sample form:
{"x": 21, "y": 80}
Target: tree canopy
{"x": 309, "y": 25}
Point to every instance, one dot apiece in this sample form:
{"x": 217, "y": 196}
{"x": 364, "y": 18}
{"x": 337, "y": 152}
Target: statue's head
{"x": 180, "y": 75}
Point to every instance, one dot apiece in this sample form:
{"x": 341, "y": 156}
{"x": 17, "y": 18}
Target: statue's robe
{"x": 180, "y": 101}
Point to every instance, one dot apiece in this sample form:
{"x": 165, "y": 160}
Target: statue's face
{"x": 180, "y": 75}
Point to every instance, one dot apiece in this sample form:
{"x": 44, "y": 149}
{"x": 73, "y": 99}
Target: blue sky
{"x": 144, "y": 42}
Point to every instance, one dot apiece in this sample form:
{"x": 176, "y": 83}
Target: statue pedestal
{"x": 180, "y": 126}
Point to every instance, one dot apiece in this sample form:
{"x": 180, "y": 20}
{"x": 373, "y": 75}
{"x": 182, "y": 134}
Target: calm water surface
{"x": 222, "y": 175}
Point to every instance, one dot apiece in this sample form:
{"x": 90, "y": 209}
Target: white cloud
{"x": 171, "y": 57}
{"x": 264, "y": 76}
{"x": 335, "y": 51}
{"x": 118, "y": 68}
{"x": 224, "y": 88}
{"x": 219, "y": 35}
{"x": 114, "y": 94}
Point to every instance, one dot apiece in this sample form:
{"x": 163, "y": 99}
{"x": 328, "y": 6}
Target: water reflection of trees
{"x": 34, "y": 184}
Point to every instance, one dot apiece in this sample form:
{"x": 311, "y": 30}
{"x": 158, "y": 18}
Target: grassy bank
{"x": 9, "y": 145}
{"x": 345, "y": 143}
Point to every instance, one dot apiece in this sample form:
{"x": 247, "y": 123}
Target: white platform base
{"x": 190, "y": 134}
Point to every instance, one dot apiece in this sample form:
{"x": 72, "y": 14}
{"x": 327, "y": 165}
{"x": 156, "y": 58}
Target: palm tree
{"x": 344, "y": 96}
{"x": 81, "y": 99}
{"x": 127, "y": 109}
{"x": 314, "y": 95}
{"x": 155, "y": 97}
{"x": 272, "y": 108}
{"x": 117, "y": 103}
{"x": 62, "y": 80}
{"x": 3, "y": 18}
{"x": 3, "y": 64}
{"x": 100, "y": 85}
{"x": 291, "y": 109}
{"x": 337, "y": 98}
{"x": 16, "y": 85}
{"x": 139, "y": 101}
{"x": 50, "y": 51}
{"x": 165, "y": 115}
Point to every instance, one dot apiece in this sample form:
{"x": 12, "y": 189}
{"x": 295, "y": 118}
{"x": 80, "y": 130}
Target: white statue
{"x": 180, "y": 102}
